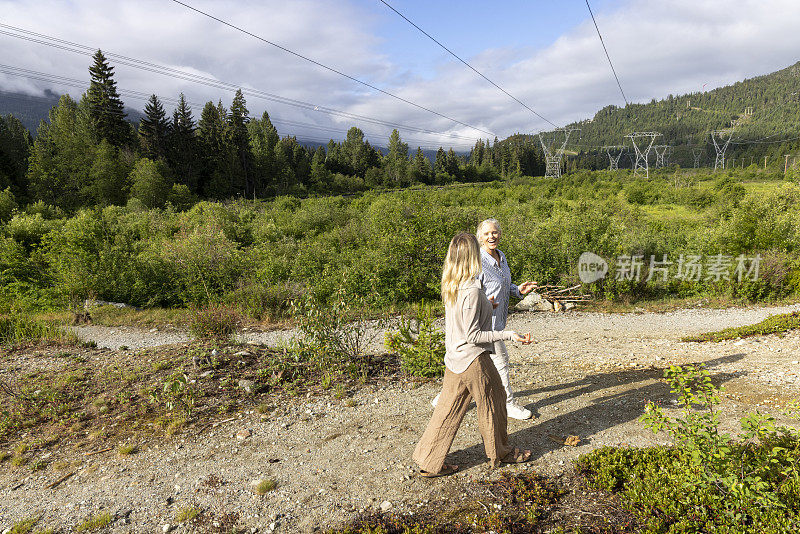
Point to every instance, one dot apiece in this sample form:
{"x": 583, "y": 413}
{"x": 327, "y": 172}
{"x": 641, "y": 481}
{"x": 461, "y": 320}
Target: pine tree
{"x": 263, "y": 140}
{"x": 106, "y": 110}
{"x": 240, "y": 139}
{"x": 396, "y": 161}
{"x": 216, "y": 152}
{"x": 421, "y": 168}
{"x": 320, "y": 175}
{"x": 154, "y": 129}
{"x": 182, "y": 146}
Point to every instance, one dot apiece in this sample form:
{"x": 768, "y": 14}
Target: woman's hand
{"x": 494, "y": 304}
{"x": 525, "y": 339}
{"x": 527, "y": 287}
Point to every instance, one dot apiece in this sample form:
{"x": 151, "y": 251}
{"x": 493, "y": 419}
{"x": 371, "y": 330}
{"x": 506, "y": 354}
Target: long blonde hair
{"x": 462, "y": 264}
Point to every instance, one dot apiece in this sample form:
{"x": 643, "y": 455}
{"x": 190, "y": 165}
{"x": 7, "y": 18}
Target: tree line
{"x": 88, "y": 154}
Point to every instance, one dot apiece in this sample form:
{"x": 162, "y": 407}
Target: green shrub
{"x": 215, "y": 321}
{"x": 264, "y": 303}
{"x": 707, "y": 482}
{"x": 7, "y": 205}
{"x": 419, "y": 343}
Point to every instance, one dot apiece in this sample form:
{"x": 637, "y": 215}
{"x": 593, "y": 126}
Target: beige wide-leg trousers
{"x": 481, "y": 382}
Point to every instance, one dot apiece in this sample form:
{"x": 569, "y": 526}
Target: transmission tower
{"x": 614, "y": 154}
{"x": 553, "y": 155}
{"x": 661, "y": 151}
{"x": 721, "y": 140}
{"x": 697, "y": 153}
{"x": 639, "y": 140}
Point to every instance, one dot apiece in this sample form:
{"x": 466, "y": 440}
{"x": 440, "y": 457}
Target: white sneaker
{"x": 516, "y": 411}
{"x": 435, "y": 400}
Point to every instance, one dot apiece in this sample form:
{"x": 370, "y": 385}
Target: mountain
{"x": 765, "y": 111}
{"x": 31, "y": 109}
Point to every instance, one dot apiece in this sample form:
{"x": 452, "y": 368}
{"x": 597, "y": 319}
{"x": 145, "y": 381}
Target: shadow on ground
{"x": 603, "y": 412}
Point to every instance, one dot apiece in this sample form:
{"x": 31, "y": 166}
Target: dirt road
{"x": 588, "y": 375}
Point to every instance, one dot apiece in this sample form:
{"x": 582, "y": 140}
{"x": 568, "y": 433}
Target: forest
{"x": 87, "y": 154}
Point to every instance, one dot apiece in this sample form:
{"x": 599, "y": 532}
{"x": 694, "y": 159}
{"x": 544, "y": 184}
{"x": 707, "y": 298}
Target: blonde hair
{"x": 485, "y": 222}
{"x": 462, "y": 264}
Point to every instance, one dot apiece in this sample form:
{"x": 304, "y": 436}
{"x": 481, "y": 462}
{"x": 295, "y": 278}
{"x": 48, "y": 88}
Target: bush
{"x": 264, "y": 303}
{"x": 707, "y": 482}
{"x": 419, "y": 344}
{"x": 215, "y": 322}
{"x": 149, "y": 184}
{"x": 7, "y": 205}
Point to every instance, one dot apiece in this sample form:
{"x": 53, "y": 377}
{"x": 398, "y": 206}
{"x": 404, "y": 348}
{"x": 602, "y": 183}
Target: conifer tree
{"x": 182, "y": 146}
{"x": 263, "y": 140}
{"x": 106, "y": 110}
{"x": 396, "y": 161}
{"x": 240, "y": 139}
{"x": 154, "y": 129}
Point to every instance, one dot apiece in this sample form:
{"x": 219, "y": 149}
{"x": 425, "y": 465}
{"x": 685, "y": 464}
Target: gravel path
{"x": 588, "y": 375}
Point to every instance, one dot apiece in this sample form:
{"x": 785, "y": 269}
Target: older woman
{"x": 496, "y": 280}
{"x": 469, "y": 372}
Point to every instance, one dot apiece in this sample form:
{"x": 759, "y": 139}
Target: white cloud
{"x": 658, "y": 48}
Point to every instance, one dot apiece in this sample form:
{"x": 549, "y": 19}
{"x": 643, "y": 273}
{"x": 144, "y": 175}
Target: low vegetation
{"x": 774, "y": 324}
{"x": 387, "y": 247}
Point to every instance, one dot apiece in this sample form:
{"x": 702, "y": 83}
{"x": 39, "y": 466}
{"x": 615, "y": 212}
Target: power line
{"x": 72, "y": 82}
{"x": 476, "y": 71}
{"x": 331, "y": 69}
{"x": 215, "y": 83}
{"x": 606, "y": 51}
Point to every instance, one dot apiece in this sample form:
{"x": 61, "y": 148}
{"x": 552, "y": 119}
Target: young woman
{"x": 469, "y": 371}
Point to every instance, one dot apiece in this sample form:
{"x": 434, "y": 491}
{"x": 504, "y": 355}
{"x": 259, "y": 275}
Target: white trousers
{"x": 500, "y": 360}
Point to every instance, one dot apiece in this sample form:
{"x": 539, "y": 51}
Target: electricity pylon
{"x": 642, "y": 138}
{"x": 661, "y": 151}
{"x": 614, "y": 159}
{"x": 696, "y": 153}
{"x": 721, "y": 145}
{"x": 553, "y": 155}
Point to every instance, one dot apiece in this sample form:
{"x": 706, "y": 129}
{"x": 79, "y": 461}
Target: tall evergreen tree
{"x": 240, "y": 139}
{"x": 106, "y": 110}
{"x": 420, "y": 170}
{"x": 154, "y": 129}
{"x": 263, "y": 140}
{"x": 216, "y": 150}
{"x": 182, "y": 146}
{"x": 396, "y": 161}
{"x": 15, "y": 149}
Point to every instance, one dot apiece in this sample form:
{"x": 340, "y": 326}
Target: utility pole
{"x": 786, "y": 165}
{"x": 614, "y": 159}
{"x": 552, "y": 155}
{"x": 765, "y": 163}
{"x": 646, "y": 140}
{"x": 661, "y": 151}
{"x": 697, "y": 153}
{"x": 721, "y": 146}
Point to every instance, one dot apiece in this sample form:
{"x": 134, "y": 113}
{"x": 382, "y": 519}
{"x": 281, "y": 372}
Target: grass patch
{"x": 96, "y": 522}
{"x": 265, "y": 486}
{"x": 25, "y": 526}
{"x": 16, "y": 328}
{"x": 127, "y": 450}
{"x": 187, "y": 514}
{"x": 774, "y": 324}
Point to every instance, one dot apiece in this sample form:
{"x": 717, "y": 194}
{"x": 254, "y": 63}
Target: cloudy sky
{"x": 544, "y": 52}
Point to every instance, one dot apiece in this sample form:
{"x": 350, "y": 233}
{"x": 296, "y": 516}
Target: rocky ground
{"x": 588, "y": 374}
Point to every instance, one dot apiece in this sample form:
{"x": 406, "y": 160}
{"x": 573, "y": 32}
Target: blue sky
{"x": 546, "y": 53}
{"x": 468, "y": 28}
